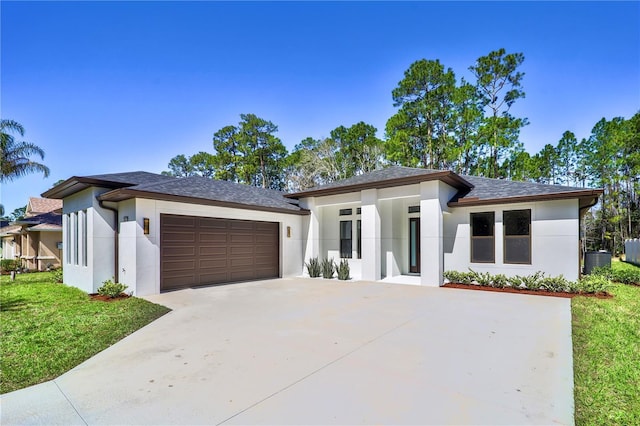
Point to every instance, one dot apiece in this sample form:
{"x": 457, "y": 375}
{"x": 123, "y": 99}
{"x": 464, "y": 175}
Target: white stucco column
{"x": 311, "y": 245}
{"x": 431, "y": 234}
{"x": 370, "y": 217}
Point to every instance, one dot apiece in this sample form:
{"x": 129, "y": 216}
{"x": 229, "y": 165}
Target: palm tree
{"x": 14, "y": 155}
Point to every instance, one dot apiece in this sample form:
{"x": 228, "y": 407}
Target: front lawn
{"x": 606, "y": 356}
{"x": 47, "y": 329}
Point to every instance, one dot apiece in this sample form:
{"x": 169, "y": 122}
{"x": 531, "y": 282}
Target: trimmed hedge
{"x": 598, "y": 283}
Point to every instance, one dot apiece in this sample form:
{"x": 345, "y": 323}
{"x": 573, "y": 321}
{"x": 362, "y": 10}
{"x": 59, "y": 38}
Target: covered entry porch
{"x": 395, "y": 233}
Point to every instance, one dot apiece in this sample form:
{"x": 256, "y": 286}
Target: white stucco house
{"x": 157, "y": 233}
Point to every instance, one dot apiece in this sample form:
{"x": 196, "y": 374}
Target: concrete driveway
{"x": 301, "y": 351}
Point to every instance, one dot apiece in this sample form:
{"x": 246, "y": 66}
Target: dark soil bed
{"x": 534, "y": 292}
{"x": 100, "y": 297}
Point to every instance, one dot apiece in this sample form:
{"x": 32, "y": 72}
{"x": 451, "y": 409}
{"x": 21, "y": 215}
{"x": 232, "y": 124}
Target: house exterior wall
{"x": 329, "y": 236}
{"x": 9, "y": 247}
{"x": 445, "y": 233}
{"x": 139, "y": 259}
{"x": 385, "y": 233}
{"x": 48, "y": 252}
{"x": 95, "y": 262}
{"x": 444, "y": 240}
{"x": 554, "y": 239}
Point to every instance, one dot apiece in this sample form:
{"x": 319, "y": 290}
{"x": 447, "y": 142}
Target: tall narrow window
{"x": 517, "y": 236}
{"x": 345, "y": 239}
{"x": 359, "y": 236}
{"x": 74, "y": 217}
{"x": 482, "y": 237}
{"x": 84, "y": 238}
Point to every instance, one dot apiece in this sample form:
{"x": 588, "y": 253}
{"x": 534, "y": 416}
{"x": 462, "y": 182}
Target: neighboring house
{"x": 398, "y": 224}
{"x": 37, "y": 238}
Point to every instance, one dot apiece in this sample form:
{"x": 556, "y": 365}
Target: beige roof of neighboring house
{"x": 38, "y": 206}
{"x": 10, "y": 230}
{"x": 45, "y": 227}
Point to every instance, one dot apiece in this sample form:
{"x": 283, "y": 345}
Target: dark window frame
{"x": 506, "y": 237}
{"x": 345, "y": 212}
{"x": 359, "y": 237}
{"x": 346, "y": 242}
{"x": 492, "y": 237}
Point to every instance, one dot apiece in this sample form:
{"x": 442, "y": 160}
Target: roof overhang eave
{"x": 126, "y": 194}
{"x": 589, "y": 194}
{"x": 445, "y": 176}
{"x": 76, "y": 184}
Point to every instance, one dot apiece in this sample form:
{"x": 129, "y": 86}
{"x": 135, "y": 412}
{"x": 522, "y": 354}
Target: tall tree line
{"x": 443, "y": 122}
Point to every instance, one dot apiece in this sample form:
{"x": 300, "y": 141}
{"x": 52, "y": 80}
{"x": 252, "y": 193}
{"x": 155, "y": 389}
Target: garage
{"x": 204, "y": 251}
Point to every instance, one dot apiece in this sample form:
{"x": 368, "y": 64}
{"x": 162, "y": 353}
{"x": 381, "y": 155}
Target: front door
{"x": 414, "y": 245}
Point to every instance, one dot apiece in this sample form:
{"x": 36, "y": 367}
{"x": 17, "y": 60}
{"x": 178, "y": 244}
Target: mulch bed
{"x": 603, "y": 295}
{"x": 102, "y": 298}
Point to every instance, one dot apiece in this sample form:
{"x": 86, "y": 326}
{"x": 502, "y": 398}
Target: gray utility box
{"x": 596, "y": 259}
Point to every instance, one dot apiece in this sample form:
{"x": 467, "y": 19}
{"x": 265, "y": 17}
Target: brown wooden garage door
{"x": 201, "y": 250}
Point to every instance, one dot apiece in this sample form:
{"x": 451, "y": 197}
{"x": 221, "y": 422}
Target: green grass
{"x": 47, "y": 329}
{"x": 619, "y": 265}
{"x": 606, "y": 356}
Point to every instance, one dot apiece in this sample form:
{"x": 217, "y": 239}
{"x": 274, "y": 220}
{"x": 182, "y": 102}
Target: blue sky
{"x": 119, "y": 86}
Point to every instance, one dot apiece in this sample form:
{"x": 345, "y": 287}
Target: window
{"x": 74, "y": 219}
{"x": 84, "y": 238}
{"x": 75, "y": 237}
{"x": 345, "y": 239}
{"x": 414, "y": 209}
{"x": 482, "y": 237}
{"x": 359, "y": 236}
{"x": 359, "y": 210}
{"x": 345, "y": 212}
{"x": 517, "y": 236}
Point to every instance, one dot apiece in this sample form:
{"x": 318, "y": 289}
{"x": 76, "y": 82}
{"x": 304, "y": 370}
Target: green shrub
{"x": 343, "y": 270}
{"x": 555, "y": 284}
{"x": 515, "y": 282}
{"x": 459, "y": 277}
{"x": 452, "y": 276}
{"x": 573, "y": 286}
{"x": 533, "y": 282}
{"x": 482, "y": 278}
{"x": 56, "y": 276}
{"x": 111, "y": 289}
{"x": 499, "y": 281}
{"x": 313, "y": 267}
{"x": 603, "y": 271}
{"x": 467, "y": 277}
{"x": 626, "y": 276}
{"x": 328, "y": 268}
{"x": 10, "y": 264}
{"x": 593, "y": 284}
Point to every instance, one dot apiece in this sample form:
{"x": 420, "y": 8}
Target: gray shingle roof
{"x": 384, "y": 178}
{"x": 489, "y": 189}
{"x": 132, "y": 178}
{"x": 390, "y": 173}
{"x": 220, "y": 190}
{"x": 470, "y": 188}
{"x": 191, "y": 189}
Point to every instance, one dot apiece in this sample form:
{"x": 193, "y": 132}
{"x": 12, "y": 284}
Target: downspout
{"x": 115, "y": 238}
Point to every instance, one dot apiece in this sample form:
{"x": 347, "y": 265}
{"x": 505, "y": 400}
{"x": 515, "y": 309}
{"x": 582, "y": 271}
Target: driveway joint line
{"x": 317, "y": 370}
{"x": 71, "y": 404}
